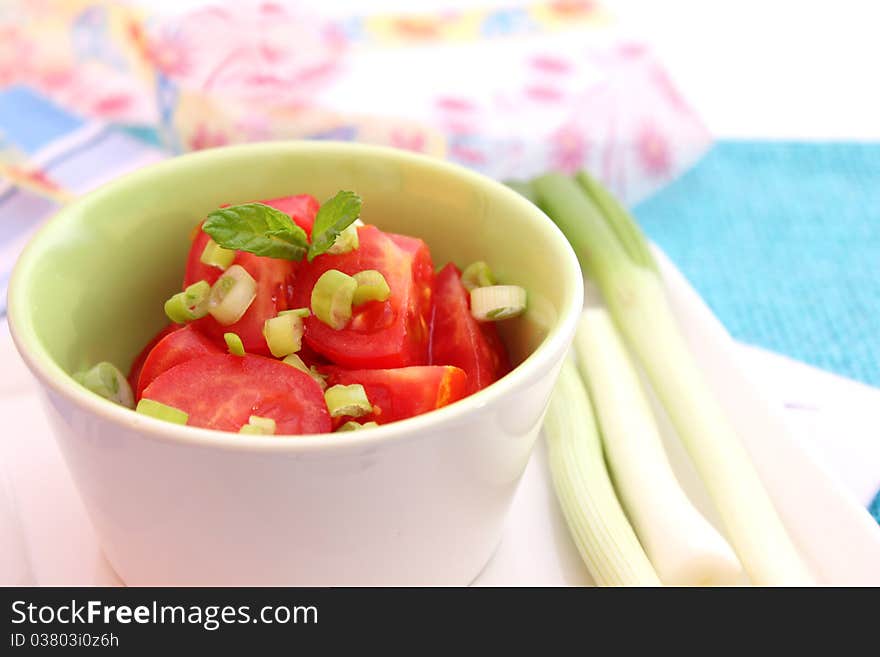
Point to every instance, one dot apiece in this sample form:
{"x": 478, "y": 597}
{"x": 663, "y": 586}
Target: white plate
{"x": 827, "y": 521}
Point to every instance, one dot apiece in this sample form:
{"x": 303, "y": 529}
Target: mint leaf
{"x": 333, "y": 217}
{"x": 259, "y": 229}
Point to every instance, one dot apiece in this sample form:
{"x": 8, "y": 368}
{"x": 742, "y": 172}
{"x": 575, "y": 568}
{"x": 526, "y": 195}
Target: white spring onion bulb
{"x": 284, "y": 334}
{"x": 231, "y": 295}
{"x": 348, "y": 400}
{"x": 106, "y": 380}
{"x": 683, "y": 547}
{"x": 596, "y": 521}
{"x": 497, "y": 302}
{"x": 372, "y": 286}
{"x": 615, "y": 253}
{"x": 332, "y": 297}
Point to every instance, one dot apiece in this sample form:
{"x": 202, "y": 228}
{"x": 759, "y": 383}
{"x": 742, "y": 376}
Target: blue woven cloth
{"x": 783, "y": 242}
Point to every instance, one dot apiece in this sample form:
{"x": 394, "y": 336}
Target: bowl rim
{"x": 542, "y": 360}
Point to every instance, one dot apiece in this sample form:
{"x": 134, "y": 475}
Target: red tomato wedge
{"x": 137, "y": 365}
{"x": 404, "y": 392}
{"x": 222, "y": 392}
{"x": 388, "y": 334}
{"x": 274, "y": 278}
{"x": 173, "y": 349}
{"x": 460, "y": 340}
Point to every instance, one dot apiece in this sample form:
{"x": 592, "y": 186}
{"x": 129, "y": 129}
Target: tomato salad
{"x": 297, "y": 318}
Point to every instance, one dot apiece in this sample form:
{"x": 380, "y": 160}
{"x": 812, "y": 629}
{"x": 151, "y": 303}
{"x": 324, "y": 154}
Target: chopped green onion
{"x": 346, "y": 241}
{"x": 351, "y": 425}
{"x": 216, "y": 256}
{"x": 683, "y": 547}
{"x": 347, "y": 400}
{"x": 231, "y": 295}
{"x": 284, "y": 334}
{"x": 615, "y": 253}
{"x": 371, "y": 286}
{"x": 496, "y": 302}
{"x": 477, "y": 274}
{"x": 257, "y": 425}
{"x": 332, "y": 298}
{"x": 596, "y": 521}
{"x": 234, "y": 344}
{"x": 161, "y": 411}
{"x": 190, "y": 304}
{"x": 295, "y": 361}
{"x": 299, "y": 312}
{"x": 106, "y": 380}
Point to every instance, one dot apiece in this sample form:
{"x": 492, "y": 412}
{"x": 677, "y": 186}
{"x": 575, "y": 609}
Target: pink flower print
{"x": 543, "y": 93}
{"x": 205, "y": 137}
{"x": 568, "y": 149}
{"x": 550, "y": 64}
{"x": 408, "y": 140}
{"x": 653, "y": 150}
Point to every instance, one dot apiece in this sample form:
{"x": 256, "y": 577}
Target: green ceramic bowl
{"x": 91, "y": 285}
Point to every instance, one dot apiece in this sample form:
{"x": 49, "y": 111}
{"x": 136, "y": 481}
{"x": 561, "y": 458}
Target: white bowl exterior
{"x": 415, "y": 510}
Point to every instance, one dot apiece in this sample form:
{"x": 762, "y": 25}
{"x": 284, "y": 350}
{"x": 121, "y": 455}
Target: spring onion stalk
{"x": 262, "y": 426}
{"x": 524, "y": 188}
{"x": 371, "y": 286}
{"x": 477, "y": 274}
{"x": 106, "y": 380}
{"x": 596, "y": 521}
{"x": 190, "y": 304}
{"x": 683, "y": 547}
{"x": 497, "y": 302}
{"x": 215, "y": 255}
{"x": 332, "y": 297}
{"x": 349, "y": 400}
{"x": 298, "y": 312}
{"x": 161, "y": 411}
{"x": 284, "y": 334}
{"x": 615, "y": 253}
{"x": 346, "y": 241}
{"x": 295, "y": 361}
{"x": 356, "y": 426}
{"x": 234, "y": 344}
{"x": 231, "y": 295}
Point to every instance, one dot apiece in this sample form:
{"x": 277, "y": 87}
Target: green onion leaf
{"x": 497, "y": 302}
{"x": 348, "y": 401}
{"x": 234, "y": 344}
{"x": 371, "y": 286}
{"x": 259, "y": 229}
{"x": 190, "y": 304}
{"x": 346, "y": 242}
{"x": 332, "y": 298}
{"x": 161, "y": 411}
{"x": 295, "y": 361}
{"x": 231, "y": 295}
{"x": 106, "y": 380}
{"x": 351, "y": 425}
{"x": 262, "y": 426}
{"x": 477, "y": 274}
{"x": 215, "y": 255}
{"x": 284, "y": 334}
{"x": 299, "y": 312}
{"x": 334, "y": 216}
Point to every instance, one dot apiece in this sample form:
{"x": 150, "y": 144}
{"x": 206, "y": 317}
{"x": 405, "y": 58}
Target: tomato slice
{"x": 388, "y": 334}
{"x": 137, "y": 365}
{"x": 173, "y": 349}
{"x": 223, "y": 391}
{"x": 397, "y": 394}
{"x": 274, "y": 278}
{"x": 460, "y": 340}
